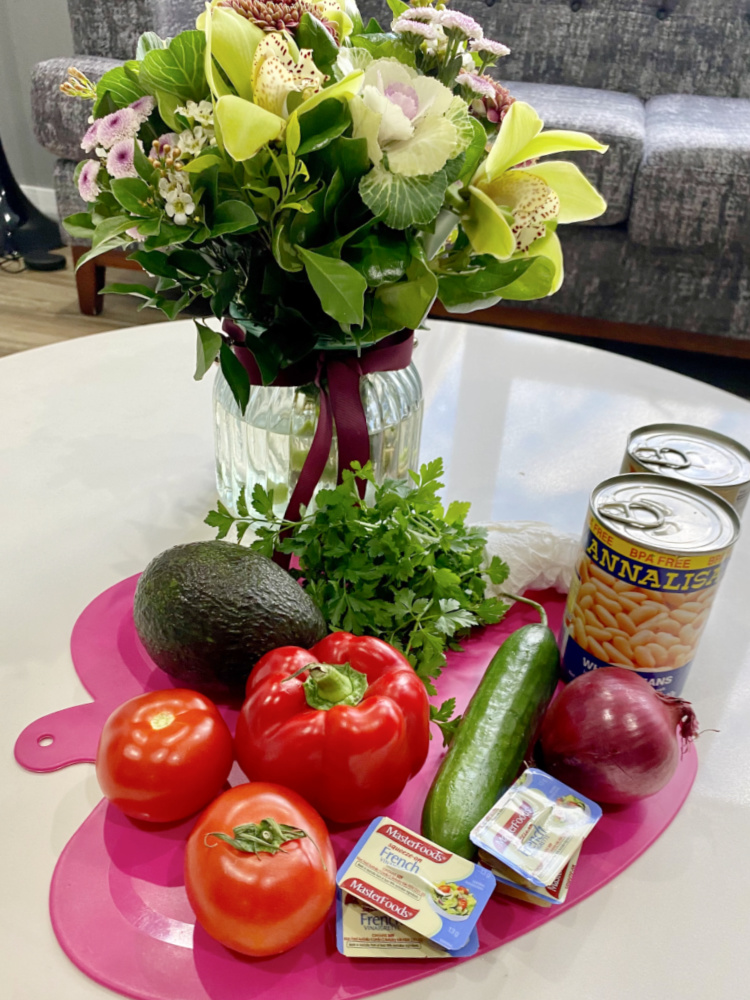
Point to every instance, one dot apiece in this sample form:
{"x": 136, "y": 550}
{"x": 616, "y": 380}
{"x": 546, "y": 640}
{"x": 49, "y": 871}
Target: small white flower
{"x": 180, "y": 208}
{"x": 202, "y": 112}
{"x": 174, "y": 184}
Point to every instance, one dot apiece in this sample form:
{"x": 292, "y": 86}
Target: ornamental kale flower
{"x": 404, "y": 116}
{"x": 88, "y": 188}
{"x": 121, "y": 159}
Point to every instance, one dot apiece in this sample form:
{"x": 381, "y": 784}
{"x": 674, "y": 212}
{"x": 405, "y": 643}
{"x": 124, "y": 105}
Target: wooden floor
{"x": 41, "y": 307}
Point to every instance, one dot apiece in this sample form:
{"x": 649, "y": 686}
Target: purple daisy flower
{"x": 121, "y": 159}
{"x": 454, "y": 20}
{"x": 143, "y": 107}
{"x": 122, "y": 124}
{"x": 490, "y": 46}
{"x": 476, "y": 83}
{"x": 91, "y": 139}
{"x": 87, "y": 185}
{"x": 409, "y": 26}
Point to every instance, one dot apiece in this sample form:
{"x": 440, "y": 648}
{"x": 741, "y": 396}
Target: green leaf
{"x": 129, "y": 288}
{"x": 237, "y": 378}
{"x": 242, "y": 503}
{"x": 488, "y": 279}
{"x": 150, "y": 40}
{"x": 209, "y": 344}
{"x": 405, "y": 304}
{"x": 233, "y": 217}
{"x": 475, "y": 150}
{"x": 398, "y": 7}
{"x": 79, "y": 226}
{"x": 154, "y": 262}
{"x": 202, "y": 163}
{"x": 262, "y": 501}
{"x": 221, "y": 519}
{"x": 119, "y": 87}
{"x": 497, "y": 570}
{"x": 385, "y": 45}
{"x": 179, "y": 69}
{"x": 191, "y": 263}
{"x": 311, "y": 34}
{"x": 133, "y": 194}
{"x": 340, "y": 288}
{"x": 322, "y": 125}
{"x": 108, "y": 229}
{"x": 381, "y": 257}
{"x": 403, "y": 201}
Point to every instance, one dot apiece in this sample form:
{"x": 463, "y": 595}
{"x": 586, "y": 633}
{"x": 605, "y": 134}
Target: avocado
{"x": 207, "y": 611}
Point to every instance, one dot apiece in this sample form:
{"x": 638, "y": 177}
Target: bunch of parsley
{"x": 402, "y": 568}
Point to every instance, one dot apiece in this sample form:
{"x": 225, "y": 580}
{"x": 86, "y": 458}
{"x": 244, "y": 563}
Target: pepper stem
{"x": 331, "y": 684}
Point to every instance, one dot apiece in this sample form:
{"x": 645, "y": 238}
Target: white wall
{"x": 30, "y": 31}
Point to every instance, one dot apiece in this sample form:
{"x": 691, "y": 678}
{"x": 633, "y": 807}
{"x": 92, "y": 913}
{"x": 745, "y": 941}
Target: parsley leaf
{"x": 400, "y": 567}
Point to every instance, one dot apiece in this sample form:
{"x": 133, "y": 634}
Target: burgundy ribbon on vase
{"x": 337, "y": 374}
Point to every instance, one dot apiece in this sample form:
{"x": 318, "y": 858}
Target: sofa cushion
{"x": 60, "y": 121}
{"x": 692, "y": 190}
{"x": 615, "y": 119}
{"x": 112, "y": 29}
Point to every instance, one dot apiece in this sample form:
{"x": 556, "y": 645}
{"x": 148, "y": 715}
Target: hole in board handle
{"x": 45, "y": 741}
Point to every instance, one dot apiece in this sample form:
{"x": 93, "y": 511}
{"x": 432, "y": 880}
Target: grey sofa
{"x": 666, "y": 83}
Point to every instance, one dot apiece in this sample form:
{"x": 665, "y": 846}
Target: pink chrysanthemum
{"x": 477, "y": 84}
{"x": 454, "y": 20}
{"x": 122, "y": 124}
{"x": 121, "y": 159}
{"x": 170, "y": 139}
{"x": 88, "y": 187}
{"x": 408, "y": 26}
{"x": 91, "y": 139}
{"x": 489, "y": 46}
{"x": 143, "y": 107}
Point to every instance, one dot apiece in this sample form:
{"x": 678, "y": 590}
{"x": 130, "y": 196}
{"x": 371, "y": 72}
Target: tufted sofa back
{"x": 111, "y": 28}
{"x": 642, "y": 47}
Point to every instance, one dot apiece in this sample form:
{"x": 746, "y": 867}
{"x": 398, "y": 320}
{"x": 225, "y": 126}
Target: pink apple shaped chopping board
{"x": 117, "y": 898}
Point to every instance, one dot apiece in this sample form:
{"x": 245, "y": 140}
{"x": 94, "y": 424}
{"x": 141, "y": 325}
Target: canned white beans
{"x": 694, "y": 454}
{"x": 653, "y": 552}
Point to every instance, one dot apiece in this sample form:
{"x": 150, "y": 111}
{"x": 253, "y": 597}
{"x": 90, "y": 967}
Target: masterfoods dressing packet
{"x": 364, "y": 932}
{"x": 537, "y": 826}
{"x": 421, "y": 885}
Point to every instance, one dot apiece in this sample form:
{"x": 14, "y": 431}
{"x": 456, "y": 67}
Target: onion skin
{"x": 609, "y": 735}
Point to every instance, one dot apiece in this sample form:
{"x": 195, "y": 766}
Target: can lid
{"x": 666, "y": 514}
{"x": 697, "y": 454}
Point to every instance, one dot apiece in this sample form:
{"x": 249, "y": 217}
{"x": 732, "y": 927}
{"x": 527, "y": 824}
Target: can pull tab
{"x": 626, "y": 513}
{"x": 660, "y": 456}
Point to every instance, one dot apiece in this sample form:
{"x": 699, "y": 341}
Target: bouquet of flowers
{"x": 322, "y": 181}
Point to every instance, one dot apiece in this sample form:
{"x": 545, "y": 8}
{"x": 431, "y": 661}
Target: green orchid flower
{"x": 515, "y": 202}
{"x": 263, "y": 69}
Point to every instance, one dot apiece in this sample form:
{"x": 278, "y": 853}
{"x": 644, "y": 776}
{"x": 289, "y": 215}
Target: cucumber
{"x": 492, "y": 738}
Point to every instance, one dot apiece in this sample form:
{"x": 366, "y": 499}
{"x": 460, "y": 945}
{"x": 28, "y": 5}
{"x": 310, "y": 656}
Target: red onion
{"x": 609, "y": 735}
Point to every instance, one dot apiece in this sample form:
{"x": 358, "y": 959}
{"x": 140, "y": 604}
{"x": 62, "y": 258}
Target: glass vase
{"x": 268, "y": 444}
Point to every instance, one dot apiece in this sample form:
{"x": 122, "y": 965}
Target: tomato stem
{"x": 266, "y": 837}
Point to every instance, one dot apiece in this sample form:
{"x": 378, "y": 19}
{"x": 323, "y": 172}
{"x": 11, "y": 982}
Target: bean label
{"x": 630, "y": 606}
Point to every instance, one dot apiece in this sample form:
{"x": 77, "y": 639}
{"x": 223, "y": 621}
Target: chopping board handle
{"x": 69, "y": 736}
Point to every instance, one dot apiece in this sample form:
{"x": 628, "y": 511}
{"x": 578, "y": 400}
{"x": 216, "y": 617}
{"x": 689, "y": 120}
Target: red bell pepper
{"x": 345, "y": 724}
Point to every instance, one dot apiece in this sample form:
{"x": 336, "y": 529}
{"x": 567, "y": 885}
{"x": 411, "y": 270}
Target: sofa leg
{"x": 89, "y": 283}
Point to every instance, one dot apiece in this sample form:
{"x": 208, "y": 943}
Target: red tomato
{"x": 264, "y": 903}
{"x": 163, "y": 755}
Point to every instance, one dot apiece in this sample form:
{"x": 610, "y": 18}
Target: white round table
{"x": 106, "y": 458}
